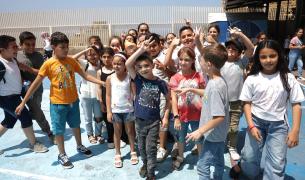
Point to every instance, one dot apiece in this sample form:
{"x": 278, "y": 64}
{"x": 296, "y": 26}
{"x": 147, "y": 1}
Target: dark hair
{"x": 95, "y": 49}
{"x": 190, "y": 52}
{"x": 123, "y": 54}
{"x": 5, "y": 40}
{"x": 26, "y": 35}
{"x": 144, "y": 57}
{"x": 155, "y": 37}
{"x": 281, "y": 66}
{"x": 183, "y": 28}
{"x": 134, "y": 39}
{"x": 107, "y": 50}
{"x": 216, "y": 54}
{"x": 298, "y": 30}
{"x": 170, "y": 34}
{"x": 145, "y": 24}
{"x": 98, "y": 39}
{"x": 118, "y": 38}
{"x": 59, "y": 38}
{"x": 134, "y": 31}
{"x": 260, "y": 34}
{"x": 214, "y": 26}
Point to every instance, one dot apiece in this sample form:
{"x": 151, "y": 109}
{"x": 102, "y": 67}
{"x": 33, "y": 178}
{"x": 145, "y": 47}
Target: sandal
{"x": 118, "y": 161}
{"x": 177, "y": 163}
{"x": 234, "y": 174}
{"x": 92, "y": 139}
{"x": 134, "y": 158}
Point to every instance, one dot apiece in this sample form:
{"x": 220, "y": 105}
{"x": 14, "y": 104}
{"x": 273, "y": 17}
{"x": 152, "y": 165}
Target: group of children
{"x": 142, "y": 85}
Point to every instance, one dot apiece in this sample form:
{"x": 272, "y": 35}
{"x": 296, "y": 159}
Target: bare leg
{"x": 77, "y": 136}
{"x": 29, "y": 133}
{"x": 117, "y": 137}
{"x": 163, "y": 138}
{"x": 130, "y": 130}
{"x": 2, "y": 130}
{"x": 60, "y": 143}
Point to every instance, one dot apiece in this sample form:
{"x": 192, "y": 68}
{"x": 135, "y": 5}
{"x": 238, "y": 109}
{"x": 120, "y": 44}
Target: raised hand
{"x": 175, "y": 42}
{"x": 234, "y": 32}
{"x": 147, "y": 43}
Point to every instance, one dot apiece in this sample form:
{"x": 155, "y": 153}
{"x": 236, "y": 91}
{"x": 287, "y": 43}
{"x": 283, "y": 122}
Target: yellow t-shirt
{"x": 61, "y": 74}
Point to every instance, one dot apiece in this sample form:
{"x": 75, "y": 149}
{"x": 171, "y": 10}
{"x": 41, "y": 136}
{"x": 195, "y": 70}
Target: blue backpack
{"x": 2, "y": 72}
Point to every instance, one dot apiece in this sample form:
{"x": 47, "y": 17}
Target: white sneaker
{"x": 301, "y": 78}
{"x": 161, "y": 154}
{"x": 110, "y": 145}
{"x": 122, "y": 144}
{"x": 234, "y": 155}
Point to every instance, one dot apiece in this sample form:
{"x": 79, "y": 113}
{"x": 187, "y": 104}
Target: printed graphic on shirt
{"x": 188, "y": 98}
{"x": 64, "y": 76}
{"x": 149, "y": 96}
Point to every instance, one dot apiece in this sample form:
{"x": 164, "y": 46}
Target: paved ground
{"x": 17, "y": 162}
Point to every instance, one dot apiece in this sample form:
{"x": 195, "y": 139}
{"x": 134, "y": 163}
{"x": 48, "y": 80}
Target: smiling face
{"x": 118, "y": 64}
{"x": 154, "y": 49}
{"x": 28, "y": 46}
{"x": 187, "y": 37}
{"x": 233, "y": 53}
{"x": 269, "y": 60}
{"x": 61, "y": 50}
{"x": 144, "y": 68}
{"x": 213, "y": 32}
{"x": 300, "y": 33}
{"x": 93, "y": 57}
{"x": 186, "y": 62}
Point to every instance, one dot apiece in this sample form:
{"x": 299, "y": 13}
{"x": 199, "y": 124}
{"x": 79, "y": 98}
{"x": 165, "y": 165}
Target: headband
{"x": 121, "y": 55}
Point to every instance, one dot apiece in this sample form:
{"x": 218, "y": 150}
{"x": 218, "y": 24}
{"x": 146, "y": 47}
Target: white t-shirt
{"x": 121, "y": 97}
{"x": 157, "y": 72}
{"x": 12, "y": 77}
{"x": 88, "y": 89}
{"x": 268, "y": 96}
{"x": 47, "y": 46}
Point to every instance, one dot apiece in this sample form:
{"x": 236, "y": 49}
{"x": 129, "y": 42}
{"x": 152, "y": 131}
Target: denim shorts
{"x": 123, "y": 117}
{"x": 184, "y": 129}
{"x": 62, "y": 113}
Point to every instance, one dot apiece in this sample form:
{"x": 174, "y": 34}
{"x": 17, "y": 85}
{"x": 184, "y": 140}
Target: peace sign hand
{"x": 147, "y": 43}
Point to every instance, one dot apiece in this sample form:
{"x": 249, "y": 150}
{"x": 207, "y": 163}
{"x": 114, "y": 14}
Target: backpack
{"x": 2, "y": 72}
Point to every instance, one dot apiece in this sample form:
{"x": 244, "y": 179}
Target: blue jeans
{"x": 295, "y": 58}
{"x": 184, "y": 128}
{"x": 274, "y": 134}
{"x": 211, "y": 155}
{"x": 91, "y": 106}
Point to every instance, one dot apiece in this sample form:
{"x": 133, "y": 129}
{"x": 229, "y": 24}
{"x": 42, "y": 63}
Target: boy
{"x": 147, "y": 106}
{"x": 64, "y": 106}
{"x": 214, "y": 114}
{"x": 30, "y": 62}
{"x": 10, "y": 92}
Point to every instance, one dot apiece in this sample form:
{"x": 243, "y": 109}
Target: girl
{"x": 106, "y": 70}
{"x": 295, "y": 55}
{"x": 265, "y": 93}
{"x": 169, "y": 38}
{"x": 186, "y": 105}
{"x": 133, "y": 32}
{"x": 47, "y": 45}
{"x": 119, "y": 101}
{"x": 116, "y": 44}
{"x": 88, "y": 95}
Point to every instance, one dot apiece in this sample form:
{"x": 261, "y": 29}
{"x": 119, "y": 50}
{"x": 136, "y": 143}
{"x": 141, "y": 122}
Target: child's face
{"x": 185, "y": 62}
{"x": 118, "y": 64}
{"x": 10, "y": 52}
{"x": 115, "y": 45}
{"x": 28, "y": 46}
{"x": 144, "y": 68}
{"x": 169, "y": 39}
{"x": 95, "y": 42}
{"x": 268, "y": 59}
{"x": 187, "y": 37}
{"x": 262, "y": 38}
{"x": 93, "y": 57}
{"x": 233, "y": 53}
{"x": 143, "y": 29}
{"x": 61, "y": 50}
{"x": 129, "y": 38}
{"x": 213, "y": 32}
{"x": 300, "y": 33}
{"x": 133, "y": 33}
{"x": 154, "y": 49}
{"x": 107, "y": 59}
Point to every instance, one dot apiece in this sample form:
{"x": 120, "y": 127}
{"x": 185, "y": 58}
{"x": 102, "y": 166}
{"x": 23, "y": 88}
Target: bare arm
{"x": 200, "y": 92}
{"x": 198, "y": 42}
{"x": 168, "y": 62}
{"x": 91, "y": 78}
{"x": 78, "y": 55}
{"x": 235, "y": 32}
{"x": 252, "y": 129}
{"x": 166, "y": 111}
{"x": 37, "y": 82}
{"x": 27, "y": 68}
{"x": 108, "y": 99}
{"x": 293, "y": 135}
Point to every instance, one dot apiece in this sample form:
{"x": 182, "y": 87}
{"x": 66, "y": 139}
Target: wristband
{"x": 251, "y": 127}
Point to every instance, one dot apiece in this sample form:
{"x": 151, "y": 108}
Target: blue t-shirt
{"x": 147, "y": 99}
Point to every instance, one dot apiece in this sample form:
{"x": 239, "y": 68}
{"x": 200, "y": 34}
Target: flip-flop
{"x": 134, "y": 158}
{"x": 118, "y": 161}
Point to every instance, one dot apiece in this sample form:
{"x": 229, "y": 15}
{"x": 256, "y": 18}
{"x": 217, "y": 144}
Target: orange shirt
{"x": 61, "y": 74}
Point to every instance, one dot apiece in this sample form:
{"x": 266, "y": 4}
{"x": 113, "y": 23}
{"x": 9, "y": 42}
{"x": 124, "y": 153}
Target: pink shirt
{"x": 189, "y": 104}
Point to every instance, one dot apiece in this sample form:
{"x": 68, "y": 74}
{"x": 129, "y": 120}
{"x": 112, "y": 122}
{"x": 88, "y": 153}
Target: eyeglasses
{"x": 264, "y": 56}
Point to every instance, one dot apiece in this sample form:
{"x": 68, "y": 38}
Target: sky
{"x": 42, "y": 5}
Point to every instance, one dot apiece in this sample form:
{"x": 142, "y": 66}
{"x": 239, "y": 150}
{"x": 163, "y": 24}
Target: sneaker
{"x": 143, "y": 171}
{"x": 52, "y": 139}
{"x": 83, "y": 150}
{"x": 161, "y": 154}
{"x": 100, "y": 139}
{"x": 63, "y": 159}
{"x": 234, "y": 155}
{"x": 110, "y": 145}
{"x": 122, "y": 144}
{"x": 38, "y": 147}
{"x": 1, "y": 152}
{"x": 301, "y": 78}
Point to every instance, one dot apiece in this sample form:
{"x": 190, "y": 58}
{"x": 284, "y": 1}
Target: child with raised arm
{"x": 267, "y": 91}
{"x": 10, "y": 93}
{"x": 119, "y": 100}
{"x": 233, "y": 72}
{"x": 88, "y": 94}
{"x": 214, "y": 118}
{"x": 147, "y": 107}
{"x": 64, "y": 105}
